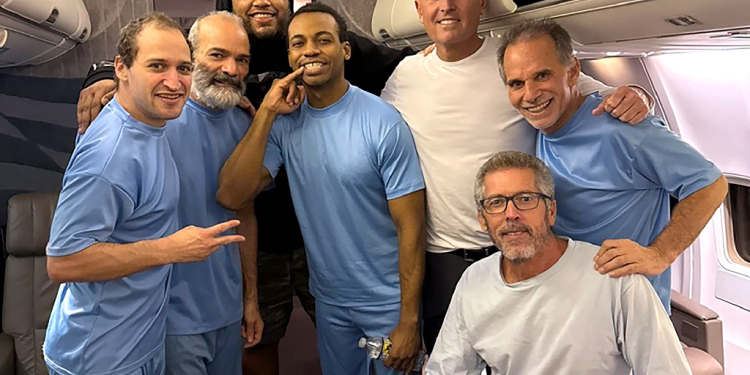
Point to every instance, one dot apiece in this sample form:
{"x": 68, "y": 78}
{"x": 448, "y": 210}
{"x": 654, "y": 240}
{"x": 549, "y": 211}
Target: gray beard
{"x": 212, "y": 96}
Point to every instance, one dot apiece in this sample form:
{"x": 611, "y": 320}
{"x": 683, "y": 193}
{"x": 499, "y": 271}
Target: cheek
{"x": 515, "y": 98}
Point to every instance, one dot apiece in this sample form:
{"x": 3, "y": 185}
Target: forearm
{"x": 412, "y": 235}
{"x": 239, "y": 178}
{"x": 411, "y": 254}
{"x": 689, "y": 218}
{"x": 249, "y": 253}
{"x": 107, "y": 261}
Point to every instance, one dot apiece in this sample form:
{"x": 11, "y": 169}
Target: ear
{"x": 573, "y": 72}
{"x": 347, "y": 50}
{"x": 482, "y": 221}
{"x": 419, "y": 11}
{"x": 552, "y": 212}
{"x": 482, "y": 7}
{"x": 120, "y": 69}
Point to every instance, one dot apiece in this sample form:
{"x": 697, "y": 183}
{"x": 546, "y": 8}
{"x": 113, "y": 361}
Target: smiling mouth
{"x": 169, "y": 96}
{"x": 538, "y": 108}
{"x": 262, "y": 16}
{"x": 448, "y": 21}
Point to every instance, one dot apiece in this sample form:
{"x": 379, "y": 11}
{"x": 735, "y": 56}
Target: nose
{"x": 511, "y": 211}
{"x": 447, "y": 5}
{"x": 172, "y": 80}
{"x": 531, "y": 92}
{"x": 311, "y": 49}
{"x": 229, "y": 67}
{"x": 261, "y": 3}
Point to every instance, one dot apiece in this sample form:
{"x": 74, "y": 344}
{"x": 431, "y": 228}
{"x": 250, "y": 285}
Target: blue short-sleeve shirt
{"x": 121, "y": 186}
{"x": 345, "y": 162}
{"x": 613, "y": 180}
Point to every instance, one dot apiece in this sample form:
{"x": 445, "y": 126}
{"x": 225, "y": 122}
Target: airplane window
{"x": 739, "y": 210}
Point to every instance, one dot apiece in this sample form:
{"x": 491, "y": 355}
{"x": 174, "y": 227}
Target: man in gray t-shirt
{"x": 537, "y": 307}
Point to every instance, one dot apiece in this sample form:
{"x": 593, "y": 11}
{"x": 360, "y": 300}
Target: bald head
{"x": 215, "y": 26}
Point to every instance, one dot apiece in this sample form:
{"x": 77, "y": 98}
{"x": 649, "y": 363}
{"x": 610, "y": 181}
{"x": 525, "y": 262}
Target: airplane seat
{"x": 700, "y": 332}
{"x": 29, "y": 293}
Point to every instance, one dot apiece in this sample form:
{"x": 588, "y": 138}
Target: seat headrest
{"x": 29, "y": 221}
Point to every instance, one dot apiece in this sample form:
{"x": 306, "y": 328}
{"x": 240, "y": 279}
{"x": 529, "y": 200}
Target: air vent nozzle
{"x": 683, "y": 21}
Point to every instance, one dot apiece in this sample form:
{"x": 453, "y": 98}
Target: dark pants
{"x": 442, "y": 272}
{"x": 280, "y": 277}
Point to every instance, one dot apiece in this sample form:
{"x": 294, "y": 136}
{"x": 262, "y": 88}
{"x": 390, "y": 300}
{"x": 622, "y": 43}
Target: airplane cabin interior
{"x": 692, "y": 56}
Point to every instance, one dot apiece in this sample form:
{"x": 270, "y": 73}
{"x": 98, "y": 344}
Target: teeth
{"x": 262, "y": 15}
{"x": 448, "y": 22}
{"x": 539, "y": 107}
{"x": 313, "y": 65}
{"x": 169, "y": 96}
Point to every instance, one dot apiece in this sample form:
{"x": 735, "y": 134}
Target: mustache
{"x": 514, "y": 227}
{"x": 226, "y": 79}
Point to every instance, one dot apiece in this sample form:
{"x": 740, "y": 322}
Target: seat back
{"x": 29, "y": 293}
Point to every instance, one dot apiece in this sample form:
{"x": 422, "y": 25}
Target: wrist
{"x": 267, "y": 110}
{"x": 409, "y": 322}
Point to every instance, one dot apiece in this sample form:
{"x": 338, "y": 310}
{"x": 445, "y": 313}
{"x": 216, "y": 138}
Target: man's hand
{"x": 91, "y": 100}
{"x": 252, "y": 325}
{"x": 284, "y": 96}
{"x": 405, "y": 342}
{"x": 624, "y": 257}
{"x": 627, "y": 104}
{"x": 247, "y": 106}
{"x": 193, "y": 244}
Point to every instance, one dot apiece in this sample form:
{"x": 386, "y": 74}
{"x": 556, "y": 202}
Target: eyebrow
{"x": 227, "y": 52}
{"x": 165, "y": 61}
{"x": 319, "y": 33}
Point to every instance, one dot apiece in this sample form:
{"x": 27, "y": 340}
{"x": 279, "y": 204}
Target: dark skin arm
{"x": 622, "y": 257}
{"x": 408, "y": 213}
{"x": 243, "y": 177}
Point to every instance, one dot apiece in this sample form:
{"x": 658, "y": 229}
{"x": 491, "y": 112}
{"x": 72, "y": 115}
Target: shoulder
{"x": 239, "y": 118}
{"x": 376, "y": 107}
{"x": 583, "y": 259}
{"x": 612, "y": 128}
{"x": 101, "y": 142}
{"x": 476, "y": 274}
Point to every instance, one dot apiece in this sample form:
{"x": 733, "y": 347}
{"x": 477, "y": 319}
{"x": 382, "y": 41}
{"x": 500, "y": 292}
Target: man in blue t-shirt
{"x": 358, "y": 193}
{"x": 613, "y": 182}
{"x": 206, "y": 301}
{"x": 115, "y": 232}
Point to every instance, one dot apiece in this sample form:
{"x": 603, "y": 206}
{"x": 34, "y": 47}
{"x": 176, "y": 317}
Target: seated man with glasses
{"x": 537, "y": 307}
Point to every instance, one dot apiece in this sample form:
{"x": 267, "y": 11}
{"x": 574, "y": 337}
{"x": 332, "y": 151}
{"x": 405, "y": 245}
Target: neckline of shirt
{"x": 437, "y": 60}
{"x": 580, "y": 112}
{"x": 133, "y": 122}
{"x": 208, "y": 112}
{"x": 333, "y": 109}
{"x": 540, "y": 278}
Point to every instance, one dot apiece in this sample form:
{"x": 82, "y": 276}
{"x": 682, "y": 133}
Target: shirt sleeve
{"x": 647, "y": 339}
{"x": 389, "y": 91}
{"x": 669, "y": 162}
{"x": 88, "y": 211}
{"x": 274, "y": 159}
{"x": 398, "y": 162}
{"x": 453, "y": 353}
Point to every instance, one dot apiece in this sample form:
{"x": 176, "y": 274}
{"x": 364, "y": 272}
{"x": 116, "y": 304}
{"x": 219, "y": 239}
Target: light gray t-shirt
{"x": 567, "y": 320}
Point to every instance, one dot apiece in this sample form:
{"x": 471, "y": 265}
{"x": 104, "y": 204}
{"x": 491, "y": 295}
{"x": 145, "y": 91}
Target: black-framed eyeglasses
{"x": 523, "y": 201}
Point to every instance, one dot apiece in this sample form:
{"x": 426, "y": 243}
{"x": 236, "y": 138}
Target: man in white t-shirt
{"x": 457, "y": 108}
{"x": 538, "y": 307}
